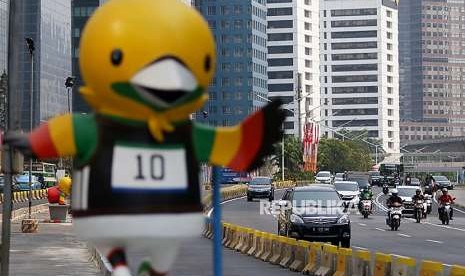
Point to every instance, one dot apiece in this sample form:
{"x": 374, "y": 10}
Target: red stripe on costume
{"x": 42, "y": 143}
{"x": 251, "y": 141}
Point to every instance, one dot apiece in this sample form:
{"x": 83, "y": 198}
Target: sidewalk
{"x": 459, "y": 194}
{"x": 53, "y": 250}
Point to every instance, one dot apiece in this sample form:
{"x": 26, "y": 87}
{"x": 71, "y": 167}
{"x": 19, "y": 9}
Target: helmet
{"x": 394, "y": 192}
{"x": 418, "y": 191}
{"x": 444, "y": 190}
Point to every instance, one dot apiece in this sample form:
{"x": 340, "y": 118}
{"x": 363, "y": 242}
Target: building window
{"x": 280, "y": 49}
{"x": 389, "y": 24}
{"x": 308, "y": 51}
{"x": 354, "y": 45}
{"x": 308, "y": 88}
{"x": 349, "y": 101}
{"x": 355, "y": 78}
{"x": 358, "y": 56}
{"x": 308, "y": 38}
{"x": 308, "y": 63}
{"x": 390, "y": 145}
{"x": 353, "y": 23}
{"x": 278, "y": 1}
{"x": 354, "y": 67}
{"x": 390, "y": 134}
{"x": 307, "y": 2}
{"x": 390, "y": 90}
{"x": 307, "y": 13}
{"x": 353, "y": 12}
{"x": 355, "y": 89}
{"x": 389, "y": 13}
{"x": 280, "y": 74}
{"x": 355, "y": 112}
{"x": 389, "y": 35}
{"x": 354, "y": 123}
{"x": 280, "y": 37}
{"x": 308, "y": 26}
{"x": 390, "y": 101}
{"x": 280, "y": 62}
{"x": 389, "y": 57}
{"x": 389, "y": 46}
{"x": 278, "y": 87}
{"x": 279, "y": 11}
{"x": 288, "y": 125}
{"x": 389, "y": 79}
{"x": 308, "y": 76}
{"x": 390, "y": 112}
{"x": 279, "y": 24}
{"x": 354, "y": 34}
{"x": 390, "y": 123}
{"x": 211, "y": 10}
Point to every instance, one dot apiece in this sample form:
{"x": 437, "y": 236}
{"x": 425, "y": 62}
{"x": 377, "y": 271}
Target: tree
{"x": 336, "y": 156}
{"x": 293, "y": 160}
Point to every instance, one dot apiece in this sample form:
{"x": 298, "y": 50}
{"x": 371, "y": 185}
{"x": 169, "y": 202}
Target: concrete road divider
{"x": 277, "y": 248}
{"x": 382, "y": 264}
{"x": 300, "y": 253}
{"x": 328, "y": 261}
{"x": 362, "y": 263}
{"x": 232, "y": 236}
{"x": 248, "y": 240}
{"x": 226, "y": 233}
{"x": 287, "y": 253}
{"x": 266, "y": 255}
{"x": 241, "y": 235}
{"x": 430, "y": 268}
{"x": 313, "y": 259}
{"x": 261, "y": 244}
{"x": 404, "y": 266}
{"x": 255, "y": 246}
{"x": 344, "y": 262}
{"x": 457, "y": 270}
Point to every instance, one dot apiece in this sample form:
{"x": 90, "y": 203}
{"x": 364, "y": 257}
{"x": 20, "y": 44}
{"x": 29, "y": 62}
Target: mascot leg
{"x": 163, "y": 255}
{"x": 116, "y": 256}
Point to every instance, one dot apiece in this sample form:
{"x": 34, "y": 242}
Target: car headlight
{"x": 344, "y": 219}
{"x": 296, "y": 219}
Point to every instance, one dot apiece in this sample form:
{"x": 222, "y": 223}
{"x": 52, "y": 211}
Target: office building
{"x": 3, "y": 36}
{"x": 239, "y": 86}
{"x": 48, "y": 23}
{"x": 432, "y": 64}
{"x": 293, "y": 60}
{"x": 360, "y": 72}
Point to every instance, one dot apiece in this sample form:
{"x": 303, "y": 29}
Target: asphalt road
{"x": 427, "y": 240}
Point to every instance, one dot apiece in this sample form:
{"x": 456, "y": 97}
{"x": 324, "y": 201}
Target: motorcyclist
{"x": 345, "y": 176}
{"x": 365, "y": 194}
{"x": 418, "y": 196}
{"x": 446, "y": 198}
{"x": 408, "y": 179}
{"x": 392, "y": 200}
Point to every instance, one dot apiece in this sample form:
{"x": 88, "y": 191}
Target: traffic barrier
{"x": 287, "y": 253}
{"x": 299, "y": 256}
{"x": 209, "y": 230}
{"x": 430, "y": 268}
{"x": 278, "y": 244}
{"x": 328, "y": 261}
{"x": 240, "y": 238}
{"x": 261, "y": 245}
{"x": 404, "y": 266}
{"x": 382, "y": 264}
{"x": 226, "y": 233}
{"x": 235, "y": 237}
{"x": 255, "y": 245}
{"x": 457, "y": 270}
{"x": 313, "y": 259}
{"x": 248, "y": 241}
{"x": 231, "y": 236}
{"x": 344, "y": 262}
{"x": 362, "y": 263}
{"x": 266, "y": 255}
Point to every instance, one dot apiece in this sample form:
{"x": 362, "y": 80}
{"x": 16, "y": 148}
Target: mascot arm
{"x": 241, "y": 147}
{"x": 66, "y": 135}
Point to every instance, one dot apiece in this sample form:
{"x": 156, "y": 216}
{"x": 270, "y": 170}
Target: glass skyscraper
{"x": 48, "y": 23}
{"x": 3, "y": 36}
{"x": 240, "y": 83}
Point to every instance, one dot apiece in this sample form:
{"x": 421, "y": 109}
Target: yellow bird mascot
{"x": 146, "y": 65}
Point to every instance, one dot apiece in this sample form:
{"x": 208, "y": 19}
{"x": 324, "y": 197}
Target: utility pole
{"x": 299, "y": 99}
{"x": 31, "y": 48}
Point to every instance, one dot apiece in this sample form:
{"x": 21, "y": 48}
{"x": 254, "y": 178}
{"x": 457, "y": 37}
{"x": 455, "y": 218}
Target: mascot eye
{"x": 116, "y": 57}
{"x": 208, "y": 63}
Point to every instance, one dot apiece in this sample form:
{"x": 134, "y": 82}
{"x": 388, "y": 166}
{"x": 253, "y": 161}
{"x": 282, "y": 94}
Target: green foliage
{"x": 293, "y": 160}
{"x": 337, "y": 156}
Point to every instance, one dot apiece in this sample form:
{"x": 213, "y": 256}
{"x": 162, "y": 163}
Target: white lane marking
{"x": 404, "y": 235}
{"x": 379, "y": 204}
{"x": 362, "y": 224}
{"x": 358, "y": 247}
{"x": 379, "y": 229}
{"x": 455, "y": 209}
{"x": 434, "y": 241}
{"x": 445, "y": 226}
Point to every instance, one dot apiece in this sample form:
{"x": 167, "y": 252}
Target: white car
{"x": 349, "y": 192}
{"x": 323, "y": 177}
{"x": 406, "y": 193}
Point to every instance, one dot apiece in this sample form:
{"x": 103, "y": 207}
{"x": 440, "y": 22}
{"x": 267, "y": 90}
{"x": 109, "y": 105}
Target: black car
{"x": 443, "y": 182}
{"x": 315, "y": 213}
{"x": 260, "y": 187}
{"x": 375, "y": 179}
{"x": 362, "y": 182}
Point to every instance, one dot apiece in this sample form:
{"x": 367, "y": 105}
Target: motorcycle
{"x": 444, "y": 213}
{"x": 428, "y": 204}
{"x": 385, "y": 189}
{"x": 408, "y": 181}
{"x": 366, "y": 208}
{"x": 395, "y": 214}
{"x": 419, "y": 210}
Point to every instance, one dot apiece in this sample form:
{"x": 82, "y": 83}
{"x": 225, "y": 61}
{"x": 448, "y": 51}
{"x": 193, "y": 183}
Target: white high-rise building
{"x": 293, "y": 60}
{"x": 360, "y": 68}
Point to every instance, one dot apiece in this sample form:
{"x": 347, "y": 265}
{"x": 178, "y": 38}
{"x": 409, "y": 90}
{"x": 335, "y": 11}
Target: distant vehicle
{"x": 406, "y": 193}
{"x": 391, "y": 173}
{"x": 22, "y": 182}
{"x": 260, "y": 187}
{"x": 361, "y": 181}
{"x": 415, "y": 181}
{"x": 339, "y": 177}
{"x": 323, "y": 177}
{"x": 46, "y": 173}
{"x": 443, "y": 182}
{"x": 375, "y": 178}
{"x": 349, "y": 192}
{"x": 229, "y": 176}
{"x": 329, "y": 222}
{"x": 2, "y": 184}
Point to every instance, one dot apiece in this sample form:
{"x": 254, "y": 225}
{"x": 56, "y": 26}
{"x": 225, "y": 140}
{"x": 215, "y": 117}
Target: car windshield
{"x": 346, "y": 186}
{"x": 261, "y": 181}
{"x": 362, "y": 182}
{"x": 374, "y": 174}
{"x": 339, "y": 174}
{"x": 316, "y": 198}
{"x": 323, "y": 174}
{"x": 407, "y": 192}
{"x": 440, "y": 178}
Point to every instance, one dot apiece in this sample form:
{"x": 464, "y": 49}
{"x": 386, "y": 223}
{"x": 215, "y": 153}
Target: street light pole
{"x": 282, "y": 157}
{"x": 31, "y": 48}
{"x": 69, "y": 83}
